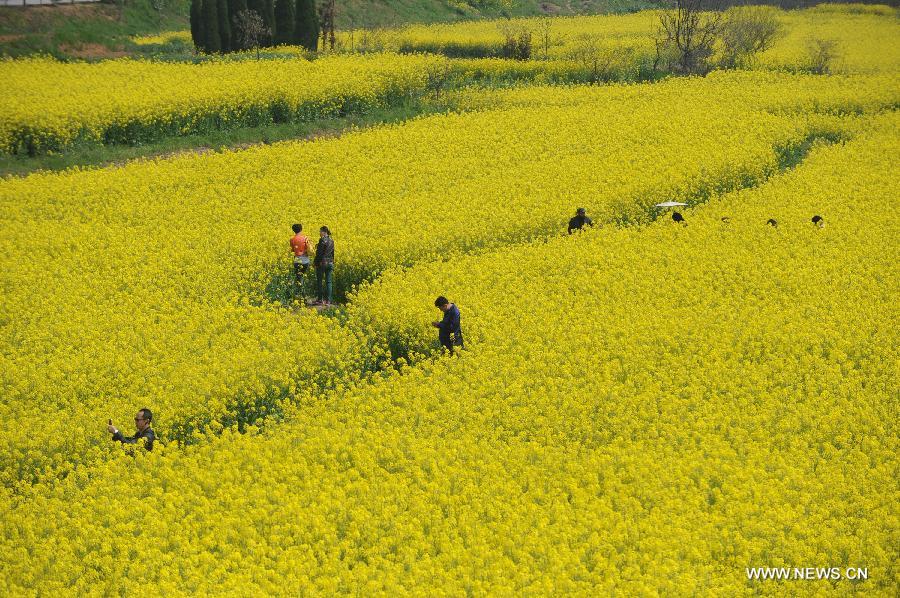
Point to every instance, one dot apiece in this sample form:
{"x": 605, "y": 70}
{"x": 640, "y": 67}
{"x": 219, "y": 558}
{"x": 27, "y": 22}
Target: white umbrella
{"x": 669, "y": 204}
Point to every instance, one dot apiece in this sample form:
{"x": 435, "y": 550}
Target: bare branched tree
{"x": 250, "y": 31}
{"x": 746, "y": 32}
{"x": 596, "y": 58}
{"x": 517, "y": 40}
{"x": 547, "y": 38}
{"x": 437, "y": 79}
{"x": 821, "y": 54}
{"x": 686, "y": 37}
{"x": 377, "y": 39}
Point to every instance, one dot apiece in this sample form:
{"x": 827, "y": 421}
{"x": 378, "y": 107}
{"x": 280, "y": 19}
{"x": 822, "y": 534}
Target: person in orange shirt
{"x": 300, "y": 251}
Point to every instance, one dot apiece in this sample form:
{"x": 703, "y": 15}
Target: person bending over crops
{"x": 579, "y": 221}
{"x": 144, "y": 435}
{"x": 324, "y": 263}
{"x": 449, "y": 330}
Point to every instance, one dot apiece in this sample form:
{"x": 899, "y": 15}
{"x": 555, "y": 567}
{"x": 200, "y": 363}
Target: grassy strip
{"x": 91, "y": 155}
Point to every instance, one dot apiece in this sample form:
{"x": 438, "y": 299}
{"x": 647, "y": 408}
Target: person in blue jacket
{"x": 449, "y": 331}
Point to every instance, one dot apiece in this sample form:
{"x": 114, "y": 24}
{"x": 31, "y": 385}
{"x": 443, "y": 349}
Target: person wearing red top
{"x": 300, "y": 251}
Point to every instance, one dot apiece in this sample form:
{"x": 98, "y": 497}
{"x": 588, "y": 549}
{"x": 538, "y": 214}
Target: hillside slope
{"x": 102, "y": 30}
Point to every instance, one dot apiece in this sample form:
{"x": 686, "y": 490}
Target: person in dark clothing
{"x": 144, "y": 435}
{"x": 818, "y": 221}
{"x": 579, "y": 221}
{"x": 324, "y": 263}
{"x": 449, "y": 330}
{"x": 677, "y": 217}
{"x": 772, "y": 222}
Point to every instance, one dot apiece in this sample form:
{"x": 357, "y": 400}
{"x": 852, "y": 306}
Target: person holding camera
{"x": 144, "y": 434}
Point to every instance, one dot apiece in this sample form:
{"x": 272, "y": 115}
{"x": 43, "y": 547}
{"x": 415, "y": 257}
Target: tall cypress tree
{"x": 284, "y": 21}
{"x": 306, "y": 25}
{"x": 235, "y": 7}
{"x": 266, "y": 10}
{"x": 224, "y": 26}
{"x": 197, "y": 32}
{"x": 269, "y": 18}
{"x": 210, "y": 20}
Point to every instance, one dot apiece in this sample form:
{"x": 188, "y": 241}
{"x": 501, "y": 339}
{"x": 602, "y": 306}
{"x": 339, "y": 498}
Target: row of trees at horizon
{"x": 231, "y": 25}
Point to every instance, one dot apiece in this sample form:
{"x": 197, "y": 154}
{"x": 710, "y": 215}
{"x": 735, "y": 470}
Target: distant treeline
{"x": 232, "y": 25}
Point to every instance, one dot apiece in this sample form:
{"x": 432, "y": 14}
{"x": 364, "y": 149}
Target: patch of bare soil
{"x": 92, "y": 51}
{"x": 548, "y": 8}
{"x": 4, "y": 39}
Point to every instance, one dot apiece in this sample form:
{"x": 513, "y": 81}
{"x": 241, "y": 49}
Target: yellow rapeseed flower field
{"x": 49, "y": 105}
{"x": 865, "y": 38}
{"x": 865, "y": 41}
{"x": 639, "y": 411}
{"x": 155, "y": 281}
{"x": 160, "y": 281}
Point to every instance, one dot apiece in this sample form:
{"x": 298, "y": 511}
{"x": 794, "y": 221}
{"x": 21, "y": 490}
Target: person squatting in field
{"x": 144, "y": 434}
{"x": 449, "y": 330}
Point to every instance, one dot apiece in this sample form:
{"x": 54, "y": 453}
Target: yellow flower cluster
{"x": 618, "y": 66}
{"x": 162, "y": 38}
{"x": 157, "y": 283}
{"x": 640, "y": 411}
{"x": 49, "y": 105}
{"x": 769, "y": 91}
{"x": 485, "y": 38}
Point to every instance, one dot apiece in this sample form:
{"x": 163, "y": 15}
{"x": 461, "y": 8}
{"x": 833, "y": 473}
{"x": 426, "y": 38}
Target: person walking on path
{"x": 579, "y": 221}
{"x": 449, "y": 330}
{"x": 324, "y": 263}
{"x": 144, "y": 435}
{"x": 300, "y": 251}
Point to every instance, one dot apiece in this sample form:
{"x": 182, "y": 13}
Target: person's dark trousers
{"x": 323, "y": 292}
{"x": 449, "y": 343}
